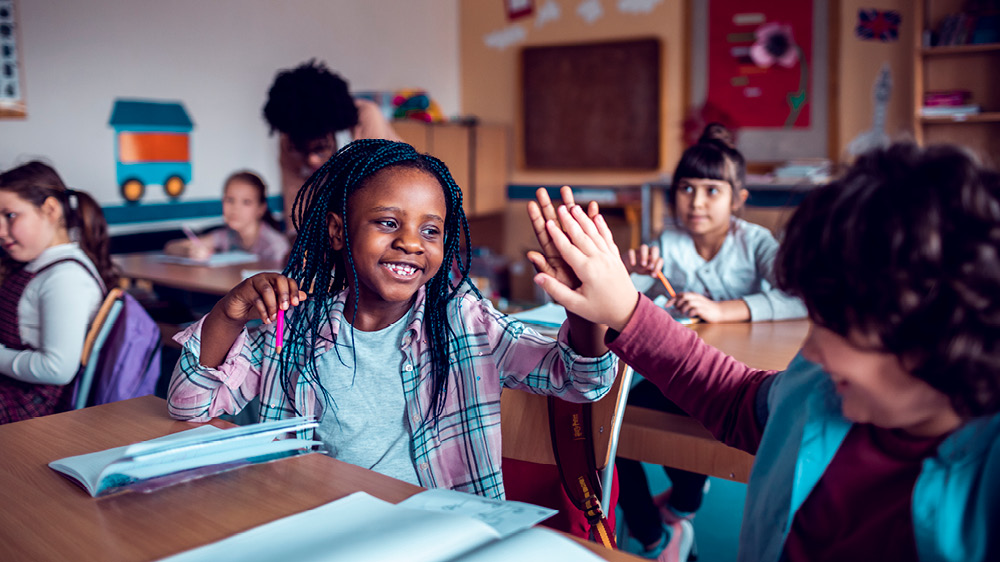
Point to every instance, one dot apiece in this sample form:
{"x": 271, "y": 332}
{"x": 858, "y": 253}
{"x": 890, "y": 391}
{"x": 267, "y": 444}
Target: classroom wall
{"x": 218, "y": 58}
{"x": 490, "y": 75}
{"x": 859, "y": 65}
{"x": 491, "y": 89}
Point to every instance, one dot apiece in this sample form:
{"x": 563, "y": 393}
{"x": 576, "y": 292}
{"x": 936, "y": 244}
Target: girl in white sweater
{"x": 55, "y": 268}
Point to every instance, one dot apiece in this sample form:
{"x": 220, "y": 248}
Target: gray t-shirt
{"x": 366, "y": 424}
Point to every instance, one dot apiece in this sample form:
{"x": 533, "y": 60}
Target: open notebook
{"x": 433, "y": 526}
{"x": 218, "y": 259}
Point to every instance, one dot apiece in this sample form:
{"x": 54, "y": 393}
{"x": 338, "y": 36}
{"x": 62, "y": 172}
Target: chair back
{"x": 92, "y": 344}
{"x": 524, "y": 423}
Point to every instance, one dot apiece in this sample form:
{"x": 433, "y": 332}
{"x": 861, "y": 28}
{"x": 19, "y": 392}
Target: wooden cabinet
{"x": 971, "y": 67}
{"x": 476, "y": 155}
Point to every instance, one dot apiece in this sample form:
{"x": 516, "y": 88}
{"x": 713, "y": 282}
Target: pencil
{"x": 279, "y": 330}
{"x": 670, "y": 290}
{"x": 191, "y": 235}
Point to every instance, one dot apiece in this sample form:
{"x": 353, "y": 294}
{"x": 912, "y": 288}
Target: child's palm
{"x": 550, "y": 261}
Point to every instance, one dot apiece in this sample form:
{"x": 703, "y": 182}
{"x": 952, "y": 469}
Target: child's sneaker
{"x": 668, "y": 514}
{"x": 675, "y": 546}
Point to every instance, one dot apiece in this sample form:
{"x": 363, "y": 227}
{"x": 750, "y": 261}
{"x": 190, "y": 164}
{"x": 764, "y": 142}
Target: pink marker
{"x": 279, "y": 330}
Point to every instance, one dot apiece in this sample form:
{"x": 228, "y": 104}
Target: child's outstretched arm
{"x": 586, "y": 337}
{"x": 258, "y": 297}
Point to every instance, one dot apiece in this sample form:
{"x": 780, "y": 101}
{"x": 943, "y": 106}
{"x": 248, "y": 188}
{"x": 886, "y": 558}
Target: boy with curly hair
{"x": 881, "y": 440}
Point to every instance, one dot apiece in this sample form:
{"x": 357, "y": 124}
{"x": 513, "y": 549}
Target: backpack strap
{"x": 573, "y": 446}
{"x": 100, "y": 282}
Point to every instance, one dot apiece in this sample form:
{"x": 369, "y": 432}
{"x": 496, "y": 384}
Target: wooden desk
{"x": 196, "y": 278}
{"x": 47, "y": 517}
{"x": 680, "y": 441}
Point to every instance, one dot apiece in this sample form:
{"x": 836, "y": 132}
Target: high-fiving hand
{"x": 583, "y": 241}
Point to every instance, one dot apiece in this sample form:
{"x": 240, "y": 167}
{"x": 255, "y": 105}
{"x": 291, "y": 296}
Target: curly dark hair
{"x": 309, "y": 102}
{"x": 905, "y": 246}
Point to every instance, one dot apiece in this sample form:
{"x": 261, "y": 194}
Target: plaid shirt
{"x": 460, "y": 449}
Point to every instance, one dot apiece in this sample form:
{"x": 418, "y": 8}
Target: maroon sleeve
{"x": 712, "y": 387}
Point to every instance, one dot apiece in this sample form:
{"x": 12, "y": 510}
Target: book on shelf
{"x": 218, "y": 259}
{"x": 433, "y": 526}
{"x": 949, "y": 98}
{"x": 185, "y": 455}
{"x": 949, "y": 110}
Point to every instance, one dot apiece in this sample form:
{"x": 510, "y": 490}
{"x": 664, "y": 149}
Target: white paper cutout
{"x": 548, "y": 12}
{"x": 637, "y": 6}
{"x": 590, "y": 10}
{"x": 506, "y": 37}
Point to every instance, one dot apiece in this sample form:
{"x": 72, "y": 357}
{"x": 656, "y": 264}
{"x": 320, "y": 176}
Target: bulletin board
{"x": 592, "y": 105}
{"x": 768, "y": 129}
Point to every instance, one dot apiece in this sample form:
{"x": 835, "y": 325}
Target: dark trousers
{"x": 641, "y": 515}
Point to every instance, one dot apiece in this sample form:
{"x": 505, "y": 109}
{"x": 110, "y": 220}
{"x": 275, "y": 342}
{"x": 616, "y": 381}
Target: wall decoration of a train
{"x": 152, "y": 147}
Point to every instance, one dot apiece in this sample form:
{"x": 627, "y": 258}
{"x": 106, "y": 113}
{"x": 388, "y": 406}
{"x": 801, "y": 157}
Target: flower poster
{"x": 759, "y": 61}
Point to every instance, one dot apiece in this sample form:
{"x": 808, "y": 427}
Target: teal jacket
{"x": 956, "y": 500}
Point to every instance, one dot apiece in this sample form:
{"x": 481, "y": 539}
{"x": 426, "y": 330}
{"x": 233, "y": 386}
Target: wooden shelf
{"x": 951, "y": 50}
{"x": 984, "y": 117}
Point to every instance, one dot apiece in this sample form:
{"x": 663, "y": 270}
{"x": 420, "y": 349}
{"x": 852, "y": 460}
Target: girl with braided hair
{"x": 386, "y": 341}
{"x": 55, "y": 267}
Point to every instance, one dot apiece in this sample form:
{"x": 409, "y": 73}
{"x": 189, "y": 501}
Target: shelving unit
{"x": 975, "y": 68}
{"x": 476, "y": 156}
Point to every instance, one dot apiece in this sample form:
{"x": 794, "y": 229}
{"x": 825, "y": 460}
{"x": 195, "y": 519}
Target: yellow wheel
{"x": 174, "y": 186}
{"x": 132, "y": 190}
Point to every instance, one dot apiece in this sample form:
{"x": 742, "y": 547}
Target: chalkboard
{"x": 593, "y": 105}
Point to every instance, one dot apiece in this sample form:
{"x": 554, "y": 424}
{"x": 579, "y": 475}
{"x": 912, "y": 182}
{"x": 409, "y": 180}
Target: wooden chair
{"x": 524, "y": 422}
{"x": 92, "y": 344}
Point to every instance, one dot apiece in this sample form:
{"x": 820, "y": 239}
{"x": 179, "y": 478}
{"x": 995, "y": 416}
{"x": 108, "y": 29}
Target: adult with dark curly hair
{"x": 313, "y": 111}
{"x": 881, "y": 440}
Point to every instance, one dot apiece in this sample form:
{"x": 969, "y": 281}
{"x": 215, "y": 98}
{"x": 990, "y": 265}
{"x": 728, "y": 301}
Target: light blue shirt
{"x": 742, "y": 269}
{"x": 366, "y": 425}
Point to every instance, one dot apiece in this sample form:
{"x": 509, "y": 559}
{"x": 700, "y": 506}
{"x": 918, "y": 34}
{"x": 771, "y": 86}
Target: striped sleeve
{"x": 199, "y": 393}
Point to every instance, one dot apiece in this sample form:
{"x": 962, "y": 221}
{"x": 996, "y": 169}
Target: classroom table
{"x": 218, "y": 281}
{"x": 47, "y": 517}
{"x": 680, "y": 441}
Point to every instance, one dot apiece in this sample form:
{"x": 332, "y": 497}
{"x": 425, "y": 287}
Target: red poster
{"x": 759, "y": 57}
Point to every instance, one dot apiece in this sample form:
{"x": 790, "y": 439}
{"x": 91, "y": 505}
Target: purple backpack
{"x": 128, "y": 364}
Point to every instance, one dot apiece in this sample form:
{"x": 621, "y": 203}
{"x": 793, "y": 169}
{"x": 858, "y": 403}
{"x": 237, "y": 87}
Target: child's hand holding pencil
{"x": 198, "y": 249}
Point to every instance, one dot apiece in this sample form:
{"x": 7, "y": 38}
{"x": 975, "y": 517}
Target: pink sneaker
{"x": 668, "y": 515}
{"x": 681, "y": 541}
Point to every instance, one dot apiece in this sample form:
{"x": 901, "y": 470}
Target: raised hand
{"x": 605, "y": 294}
{"x": 645, "y": 261}
{"x": 549, "y": 261}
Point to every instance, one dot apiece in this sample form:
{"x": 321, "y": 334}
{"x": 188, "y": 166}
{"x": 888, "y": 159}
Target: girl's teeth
{"x": 402, "y": 269}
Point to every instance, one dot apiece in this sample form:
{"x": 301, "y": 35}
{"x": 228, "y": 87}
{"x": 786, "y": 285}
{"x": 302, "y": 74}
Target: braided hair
{"x": 324, "y": 272}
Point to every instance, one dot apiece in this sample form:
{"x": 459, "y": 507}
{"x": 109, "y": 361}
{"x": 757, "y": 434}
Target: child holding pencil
{"x": 395, "y": 352}
{"x": 55, "y": 270}
{"x": 249, "y": 225}
{"x": 881, "y": 441}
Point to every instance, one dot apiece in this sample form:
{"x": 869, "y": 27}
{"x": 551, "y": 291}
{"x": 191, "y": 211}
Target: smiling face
{"x": 27, "y": 230}
{"x": 395, "y": 230}
{"x": 242, "y": 208}
{"x": 875, "y": 388}
{"x": 704, "y": 206}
